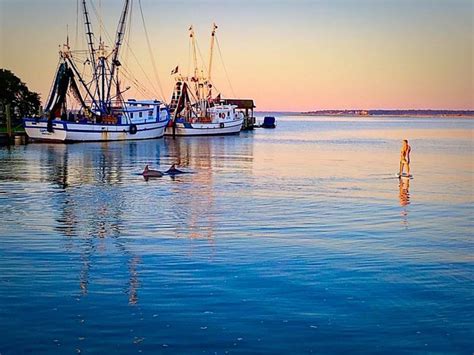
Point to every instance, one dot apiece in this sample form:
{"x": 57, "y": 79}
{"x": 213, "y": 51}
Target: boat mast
{"x": 102, "y": 61}
{"x": 118, "y": 43}
{"x": 196, "y": 70}
{"x": 211, "y": 50}
{"x": 90, "y": 38}
{"x": 66, "y": 55}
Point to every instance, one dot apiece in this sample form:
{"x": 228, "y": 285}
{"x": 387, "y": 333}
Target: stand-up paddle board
{"x": 404, "y": 176}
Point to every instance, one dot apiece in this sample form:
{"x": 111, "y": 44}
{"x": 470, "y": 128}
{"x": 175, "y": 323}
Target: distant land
{"x": 425, "y": 113}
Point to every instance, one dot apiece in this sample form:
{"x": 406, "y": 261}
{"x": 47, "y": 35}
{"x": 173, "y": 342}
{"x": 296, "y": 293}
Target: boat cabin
{"x": 246, "y": 106}
{"x": 144, "y": 111}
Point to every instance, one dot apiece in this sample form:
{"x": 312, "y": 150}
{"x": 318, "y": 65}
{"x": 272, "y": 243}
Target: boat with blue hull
{"x": 150, "y": 122}
{"x": 86, "y": 102}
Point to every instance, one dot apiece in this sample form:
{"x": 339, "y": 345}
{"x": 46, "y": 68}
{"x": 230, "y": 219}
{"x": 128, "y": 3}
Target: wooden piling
{"x": 9, "y": 121}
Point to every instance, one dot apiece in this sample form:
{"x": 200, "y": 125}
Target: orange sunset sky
{"x": 287, "y": 55}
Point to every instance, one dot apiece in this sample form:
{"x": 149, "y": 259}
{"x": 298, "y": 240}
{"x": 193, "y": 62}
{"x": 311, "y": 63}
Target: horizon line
{"x": 372, "y": 109}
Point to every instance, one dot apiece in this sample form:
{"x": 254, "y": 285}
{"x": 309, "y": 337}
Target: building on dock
{"x": 246, "y": 106}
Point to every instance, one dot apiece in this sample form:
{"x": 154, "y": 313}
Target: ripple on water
{"x": 292, "y": 240}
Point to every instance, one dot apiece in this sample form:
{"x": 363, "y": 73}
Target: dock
{"x": 246, "y": 106}
{"x": 14, "y": 138}
{"x": 10, "y": 135}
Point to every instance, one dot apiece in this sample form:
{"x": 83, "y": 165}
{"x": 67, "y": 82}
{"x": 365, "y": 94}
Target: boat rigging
{"x": 89, "y": 105}
{"x": 194, "y": 110}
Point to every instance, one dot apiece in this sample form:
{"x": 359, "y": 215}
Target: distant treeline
{"x": 393, "y": 112}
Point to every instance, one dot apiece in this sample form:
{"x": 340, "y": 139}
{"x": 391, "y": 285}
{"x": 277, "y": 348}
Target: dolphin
{"x": 151, "y": 173}
{"x": 173, "y": 171}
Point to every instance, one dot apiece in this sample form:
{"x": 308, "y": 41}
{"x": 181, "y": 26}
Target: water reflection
{"x": 287, "y": 222}
{"x": 404, "y": 192}
{"x": 110, "y": 164}
{"x": 194, "y": 216}
{"x": 56, "y": 157}
{"x": 134, "y": 282}
{"x": 97, "y": 198}
{"x": 90, "y": 208}
{"x": 86, "y": 252}
{"x": 404, "y": 198}
{"x": 79, "y": 164}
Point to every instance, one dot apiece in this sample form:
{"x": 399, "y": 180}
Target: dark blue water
{"x": 293, "y": 240}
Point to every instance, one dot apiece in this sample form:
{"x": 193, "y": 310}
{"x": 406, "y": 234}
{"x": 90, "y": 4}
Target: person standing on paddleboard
{"x": 405, "y": 157}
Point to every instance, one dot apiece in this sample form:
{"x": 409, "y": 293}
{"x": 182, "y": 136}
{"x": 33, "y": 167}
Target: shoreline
{"x": 388, "y": 115}
{"x": 405, "y": 115}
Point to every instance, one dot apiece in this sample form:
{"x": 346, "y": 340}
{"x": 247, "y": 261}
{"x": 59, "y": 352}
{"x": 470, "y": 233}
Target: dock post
{"x": 9, "y": 121}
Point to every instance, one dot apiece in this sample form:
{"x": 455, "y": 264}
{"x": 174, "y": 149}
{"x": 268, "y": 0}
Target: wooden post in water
{"x": 9, "y": 121}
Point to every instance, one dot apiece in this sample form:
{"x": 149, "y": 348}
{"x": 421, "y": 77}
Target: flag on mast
{"x": 175, "y": 70}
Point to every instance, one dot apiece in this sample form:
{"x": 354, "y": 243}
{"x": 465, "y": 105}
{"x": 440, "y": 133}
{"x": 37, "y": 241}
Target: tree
{"x": 13, "y": 91}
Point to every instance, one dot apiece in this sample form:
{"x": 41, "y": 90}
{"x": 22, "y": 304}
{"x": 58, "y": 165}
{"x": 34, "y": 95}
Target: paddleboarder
{"x": 405, "y": 158}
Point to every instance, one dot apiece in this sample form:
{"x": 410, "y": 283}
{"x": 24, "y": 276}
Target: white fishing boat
{"x": 91, "y": 107}
{"x": 193, "y": 109}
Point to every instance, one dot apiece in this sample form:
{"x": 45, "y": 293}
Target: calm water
{"x": 293, "y": 240}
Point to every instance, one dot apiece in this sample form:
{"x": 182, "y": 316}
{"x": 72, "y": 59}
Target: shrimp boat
{"x": 193, "y": 109}
{"x": 91, "y": 107}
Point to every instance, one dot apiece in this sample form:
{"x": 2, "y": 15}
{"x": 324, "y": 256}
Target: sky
{"x": 287, "y": 55}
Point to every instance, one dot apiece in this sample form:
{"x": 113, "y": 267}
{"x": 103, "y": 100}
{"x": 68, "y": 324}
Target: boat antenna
{"x": 101, "y": 23}
{"x": 118, "y": 43}
{"x": 67, "y": 36}
{"x": 77, "y": 25}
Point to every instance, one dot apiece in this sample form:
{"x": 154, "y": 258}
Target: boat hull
{"x": 205, "y": 129}
{"x": 86, "y": 132}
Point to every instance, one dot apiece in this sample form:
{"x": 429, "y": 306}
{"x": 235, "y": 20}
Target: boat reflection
{"x": 91, "y": 219}
{"x": 194, "y": 216}
{"x": 134, "y": 282}
{"x": 99, "y": 202}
